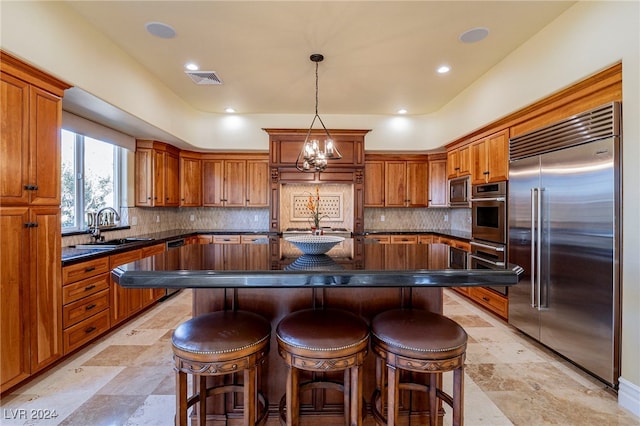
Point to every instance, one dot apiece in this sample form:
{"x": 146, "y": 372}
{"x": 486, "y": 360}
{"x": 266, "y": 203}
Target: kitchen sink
{"x": 111, "y": 244}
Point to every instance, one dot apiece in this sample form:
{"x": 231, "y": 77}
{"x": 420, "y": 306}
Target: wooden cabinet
{"x": 396, "y": 180}
{"x": 125, "y": 302}
{"x": 490, "y": 158}
{"x": 492, "y": 301}
{"x": 85, "y": 302}
{"x": 157, "y": 178}
{"x": 31, "y": 318}
{"x": 459, "y": 162}
{"x": 31, "y": 315}
{"x": 437, "y": 181}
{"x": 235, "y": 182}
{"x": 190, "y": 180}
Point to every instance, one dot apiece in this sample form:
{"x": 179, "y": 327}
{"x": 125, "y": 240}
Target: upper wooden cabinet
{"x": 31, "y": 109}
{"x": 437, "y": 180}
{"x": 459, "y": 162}
{"x": 190, "y": 180}
{"x": 236, "y": 181}
{"x": 490, "y": 158}
{"x": 156, "y": 174}
{"x": 396, "y": 180}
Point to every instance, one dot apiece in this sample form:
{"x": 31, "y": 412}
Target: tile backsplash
{"x": 150, "y": 220}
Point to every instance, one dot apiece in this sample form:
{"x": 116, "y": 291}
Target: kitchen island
{"x": 272, "y": 277}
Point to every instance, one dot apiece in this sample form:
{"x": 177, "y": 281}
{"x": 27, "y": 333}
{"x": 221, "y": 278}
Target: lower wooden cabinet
{"x": 31, "y": 313}
{"x": 492, "y": 301}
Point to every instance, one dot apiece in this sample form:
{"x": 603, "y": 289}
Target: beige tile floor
{"x": 126, "y": 378}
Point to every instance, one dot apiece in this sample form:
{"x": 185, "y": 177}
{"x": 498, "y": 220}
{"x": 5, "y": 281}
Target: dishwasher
{"x": 172, "y": 245}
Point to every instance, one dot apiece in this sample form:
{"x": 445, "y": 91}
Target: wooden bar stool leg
{"x": 346, "y": 395}
{"x": 356, "y": 394}
{"x": 292, "y": 399}
{"x": 458, "y": 396}
{"x": 249, "y": 396}
{"x": 433, "y": 399}
{"x": 202, "y": 413}
{"x": 392, "y": 395}
{"x": 181, "y": 405}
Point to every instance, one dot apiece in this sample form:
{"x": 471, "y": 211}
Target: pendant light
{"x": 314, "y": 155}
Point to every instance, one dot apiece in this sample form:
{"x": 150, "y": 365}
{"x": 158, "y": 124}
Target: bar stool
{"x": 216, "y": 344}
{"x": 417, "y": 341}
{"x": 323, "y": 340}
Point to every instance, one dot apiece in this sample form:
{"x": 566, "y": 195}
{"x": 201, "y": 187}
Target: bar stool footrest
{"x": 376, "y": 396}
{"x": 223, "y": 389}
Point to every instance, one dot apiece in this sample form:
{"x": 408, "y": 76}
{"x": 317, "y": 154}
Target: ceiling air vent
{"x": 204, "y": 77}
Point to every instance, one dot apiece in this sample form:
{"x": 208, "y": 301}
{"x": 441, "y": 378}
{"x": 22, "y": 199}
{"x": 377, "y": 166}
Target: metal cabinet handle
{"x": 89, "y": 307}
{"x": 89, "y": 287}
{"x": 90, "y": 330}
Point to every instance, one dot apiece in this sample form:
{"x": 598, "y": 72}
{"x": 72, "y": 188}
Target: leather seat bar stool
{"x": 217, "y": 344}
{"x": 323, "y": 340}
{"x": 422, "y": 342}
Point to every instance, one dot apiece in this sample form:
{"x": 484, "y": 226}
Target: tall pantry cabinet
{"x": 30, "y": 257}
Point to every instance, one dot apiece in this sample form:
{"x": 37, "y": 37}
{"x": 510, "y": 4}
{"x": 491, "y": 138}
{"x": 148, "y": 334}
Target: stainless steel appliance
{"x": 459, "y": 192}
{"x": 489, "y": 212}
{"x": 457, "y": 258}
{"x": 486, "y": 255}
{"x": 564, "y": 208}
{"x": 170, "y": 245}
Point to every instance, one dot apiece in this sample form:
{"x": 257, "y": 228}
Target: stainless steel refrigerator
{"x": 564, "y": 230}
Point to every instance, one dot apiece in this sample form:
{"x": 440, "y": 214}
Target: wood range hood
{"x": 284, "y": 147}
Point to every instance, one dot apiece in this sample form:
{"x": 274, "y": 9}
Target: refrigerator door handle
{"x": 534, "y": 193}
{"x": 539, "y": 248}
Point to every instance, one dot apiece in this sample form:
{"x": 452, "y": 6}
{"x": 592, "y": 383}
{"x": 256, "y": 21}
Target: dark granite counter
{"x": 276, "y": 263}
{"x": 462, "y": 235}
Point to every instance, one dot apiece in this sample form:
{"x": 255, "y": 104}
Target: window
{"x": 90, "y": 178}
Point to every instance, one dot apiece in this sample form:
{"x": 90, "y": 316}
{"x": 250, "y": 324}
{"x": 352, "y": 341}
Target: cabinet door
{"x": 212, "y": 183}
{"x": 14, "y": 137}
{"x": 257, "y": 183}
{"x": 45, "y": 119}
{"x": 171, "y": 180}
{"x": 235, "y": 183}
{"x": 143, "y": 177}
{"x": 452, "y": 164}
{"x": 374, "y": 184}
{"x": 157, "y": 181}
{"x": 417, "y": 176}
{"x": 190, "y": 182}
{"x": 498, "y": 156}
{"x": 14, "y": 291}
{"x": 464, "y": 161}
{"x": 124, "y": 301}
{"x": 45, "y": 287}
{"x": 479, "y": 170}
{"x": 395, "y": 193}
{"x": 437, "y": 183}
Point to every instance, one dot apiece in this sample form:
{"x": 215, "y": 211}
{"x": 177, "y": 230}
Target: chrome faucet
{"x": 95, "y": 230}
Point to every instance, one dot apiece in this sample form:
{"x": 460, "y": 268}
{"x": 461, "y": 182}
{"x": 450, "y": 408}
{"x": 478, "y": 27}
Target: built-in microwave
{"x": 459, "y": 191}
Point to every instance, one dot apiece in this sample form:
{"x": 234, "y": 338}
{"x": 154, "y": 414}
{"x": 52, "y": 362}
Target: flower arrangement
{"x": 314, "y": 208}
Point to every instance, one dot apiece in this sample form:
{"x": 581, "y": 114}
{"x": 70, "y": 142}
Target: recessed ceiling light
{"x": 229, "y": 110}
{"x": 159, "y": 29}
{"x": 402, "y": 111}
{"x": 443, "y": 69}
{"x": 191, "y": 66}
{"x": 474, "y": 35}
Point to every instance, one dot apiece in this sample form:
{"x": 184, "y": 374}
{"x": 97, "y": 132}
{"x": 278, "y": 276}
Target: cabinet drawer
{"x": 124, "y": 258}
{"x": 84, "y": 331}
{"x": 153, "y": 250}
{"x": 204, "y": 239}
{"x": 492, "y": 301}
{"x": 84, "y": 270}
{"x": 84, "y": 288}
{"x": 226, "y": 239}
{"x": 382, "y": 239}
{"x": 82, "y": 309}
{"x": 404, "y": 239}
{"x": 248, "y": 239}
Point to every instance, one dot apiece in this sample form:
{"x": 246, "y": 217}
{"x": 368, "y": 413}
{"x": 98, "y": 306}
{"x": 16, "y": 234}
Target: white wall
{"x": 587, "y": 38}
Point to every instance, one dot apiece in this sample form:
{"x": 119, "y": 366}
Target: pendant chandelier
{"x": 314, "y": 156}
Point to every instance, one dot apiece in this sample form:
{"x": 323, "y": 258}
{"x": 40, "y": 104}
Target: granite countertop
{"x": 463, "y": 235}
{"x": 268, "y": 265}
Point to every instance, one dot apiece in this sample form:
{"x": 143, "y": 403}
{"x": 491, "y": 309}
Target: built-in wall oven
{"x": 489, "y": 228}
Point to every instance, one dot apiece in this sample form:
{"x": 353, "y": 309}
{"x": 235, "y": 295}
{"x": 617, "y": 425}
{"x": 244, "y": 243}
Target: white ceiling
{"x": 379, "y": 55}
